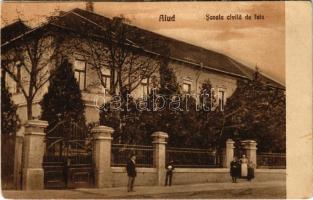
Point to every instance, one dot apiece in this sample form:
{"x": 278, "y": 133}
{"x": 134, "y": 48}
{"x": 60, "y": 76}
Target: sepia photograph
{"x": 143, "y": 100}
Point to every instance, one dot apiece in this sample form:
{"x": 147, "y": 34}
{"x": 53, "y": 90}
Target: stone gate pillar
{"x": 229, "y": 153}
{"x": 33, "y": 152}
{"x": 250, "y": 149}
{"x": 159, "y": 143}
{"x": 102, "y": 136}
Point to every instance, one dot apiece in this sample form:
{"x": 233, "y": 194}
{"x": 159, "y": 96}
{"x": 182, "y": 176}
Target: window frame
{"x": 187, "y": 81}
{"x": 221, "y": 105}
{"x": 144, "y": 87}
{"x": 106, "y": 77}
{"x": 81, "y": 72}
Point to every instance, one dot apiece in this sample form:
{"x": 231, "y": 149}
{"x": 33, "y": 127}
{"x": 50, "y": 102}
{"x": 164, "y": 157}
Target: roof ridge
{"x": 158, "y": 34}
{"x": 235, "y": 63}
{"x": 271, "y": 78}
{"x": 262, "y": 73}
{"x": 95, "y": 23}
{"x": 238, "y": 67}
{"x": 210, "y": 57}
{"x": 31, "y": 29}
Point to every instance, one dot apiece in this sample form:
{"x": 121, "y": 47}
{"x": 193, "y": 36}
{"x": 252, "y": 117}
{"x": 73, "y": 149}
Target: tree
{"x": 10, "y": 123}
{"x": 168, "y": 81}
{"x": 208, "y": 117}
{"x": 27, "y": 59}
{"x": 256, "y": 111}
{"x": 118, "y": 49}
{"x": 9, "y": 119}
{"x": 63, "y": 101}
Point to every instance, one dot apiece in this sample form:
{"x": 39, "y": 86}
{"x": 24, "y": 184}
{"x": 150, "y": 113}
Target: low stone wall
{"x": 190, "y": 176}
{"x": 145, "y": 176}
{"x": 185, "y": 176}
{"x": 270, "y": 175}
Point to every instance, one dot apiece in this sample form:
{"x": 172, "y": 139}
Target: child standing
{"x": 169, "y": 173}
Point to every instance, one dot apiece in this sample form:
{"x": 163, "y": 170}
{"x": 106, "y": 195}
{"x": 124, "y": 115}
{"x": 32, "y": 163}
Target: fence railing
{"x": 271, "y": 160}
{"x": 121, "y": 153}
{"x": 197, "y": 158}
{"x": 187, "y": 157}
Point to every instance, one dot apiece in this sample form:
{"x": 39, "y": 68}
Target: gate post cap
{"x": 159, "y": 137}
{"x": 159, "y": 134}
{"x": 101, "y": 129}
{"x": 249, "y": 144}
{"x": 248, "y": 141}
{"x": 37, "y": 123}
{"x": 230, "y": 141}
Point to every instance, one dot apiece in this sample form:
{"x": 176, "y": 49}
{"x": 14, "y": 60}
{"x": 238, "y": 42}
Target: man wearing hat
{"x": 131, "y": 172}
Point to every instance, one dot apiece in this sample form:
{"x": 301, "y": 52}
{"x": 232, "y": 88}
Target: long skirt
{"x": 250, "y": 173}
{"x": 244, "y": 169}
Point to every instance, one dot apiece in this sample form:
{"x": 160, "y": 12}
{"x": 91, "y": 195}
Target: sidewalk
{"x": 178, "y": 191}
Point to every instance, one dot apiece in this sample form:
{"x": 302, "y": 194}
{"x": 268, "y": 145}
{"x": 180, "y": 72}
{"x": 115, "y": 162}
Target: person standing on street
{"x": 244, "y": 166}
{"x": 131, "y": 172}
{"x": 251, "y": 167}
{"x": 234, "y": 169}
{"x": 169, "y": 173}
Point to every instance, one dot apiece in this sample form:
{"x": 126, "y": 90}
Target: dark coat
{"x": 131, "y": 168}
{"x": 234, "y": 169}
{"x": 250, "y": 172}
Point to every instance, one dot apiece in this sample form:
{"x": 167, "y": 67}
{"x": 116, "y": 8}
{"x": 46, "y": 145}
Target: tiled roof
{"x": 13, "y": 30}
{"x": 184, "y": 51}
{"x": 179, "y": 50}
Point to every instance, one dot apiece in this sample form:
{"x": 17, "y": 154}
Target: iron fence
{"x": 271, "y": 160}
{"x": 121, "y": 153}
{"x": 195, "y": 158}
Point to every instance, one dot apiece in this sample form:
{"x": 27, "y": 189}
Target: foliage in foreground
{"x": 254, "y": 111}
{"x": 10, "y": 121}
{"x": 63, "y": 101}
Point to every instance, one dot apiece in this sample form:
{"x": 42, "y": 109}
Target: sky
{"x": 252, "y": 42}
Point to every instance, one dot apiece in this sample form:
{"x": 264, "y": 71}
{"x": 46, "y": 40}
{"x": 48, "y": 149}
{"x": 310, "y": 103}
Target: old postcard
{"x": 105, "y": 100}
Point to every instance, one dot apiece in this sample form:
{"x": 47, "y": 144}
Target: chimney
{"x": 89, "y": 6}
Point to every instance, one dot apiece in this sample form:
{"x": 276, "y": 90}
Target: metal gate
{"x": 239, "y": 149}
{"x": 68, "y": 157}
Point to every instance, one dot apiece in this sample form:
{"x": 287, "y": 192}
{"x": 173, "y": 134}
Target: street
{"x": 241, "y": 190}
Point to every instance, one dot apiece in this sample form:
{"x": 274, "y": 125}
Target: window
{"x": 187, "y": 87}
{"x": 80, "y": 73}
{"x": 144, "y": 87}
{"x": 106, "y": 77}
{"x": 221, "y": 99}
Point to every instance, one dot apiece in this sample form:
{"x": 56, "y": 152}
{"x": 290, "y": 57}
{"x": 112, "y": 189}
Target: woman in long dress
{"x": 244, "y": 166}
